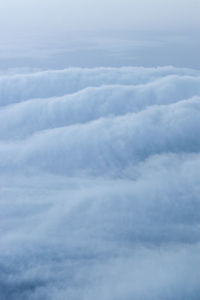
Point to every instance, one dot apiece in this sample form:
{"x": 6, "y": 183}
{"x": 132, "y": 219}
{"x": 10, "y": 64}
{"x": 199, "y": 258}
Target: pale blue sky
{"x": 41, "y": 33}
{"x": 36, "y": 16}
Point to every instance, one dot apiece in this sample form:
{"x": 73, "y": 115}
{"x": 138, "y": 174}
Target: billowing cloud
{"x": 99, "y": 184}
{"x": 20, "y": 87}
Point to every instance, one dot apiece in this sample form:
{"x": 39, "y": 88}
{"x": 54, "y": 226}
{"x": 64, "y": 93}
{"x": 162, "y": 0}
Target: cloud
{"x": 99, "y": 184}
{"x": 20, "y": 87}
{"x": 24, "y": 118}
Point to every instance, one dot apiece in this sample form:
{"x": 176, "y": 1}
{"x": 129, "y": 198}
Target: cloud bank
{"x": 99, "y": 184}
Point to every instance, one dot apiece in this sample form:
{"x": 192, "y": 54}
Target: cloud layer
{"x": 100, "y": 185}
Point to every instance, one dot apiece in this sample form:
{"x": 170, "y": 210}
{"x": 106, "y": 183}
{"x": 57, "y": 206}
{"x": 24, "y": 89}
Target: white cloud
{"x": 99, "y": 184}
{"x": 23, "y": 118}
{"x": 58, "y": 83}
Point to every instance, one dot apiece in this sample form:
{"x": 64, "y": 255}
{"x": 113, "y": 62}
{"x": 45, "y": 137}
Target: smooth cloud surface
{"x": 100, "y": 184}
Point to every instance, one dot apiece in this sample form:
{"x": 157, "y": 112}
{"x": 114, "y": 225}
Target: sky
{"x": 91, "y": 33}
{"x": 45, "y": 16}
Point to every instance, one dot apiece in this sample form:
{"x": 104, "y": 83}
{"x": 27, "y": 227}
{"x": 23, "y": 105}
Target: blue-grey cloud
{"x": 99, "y": 184}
